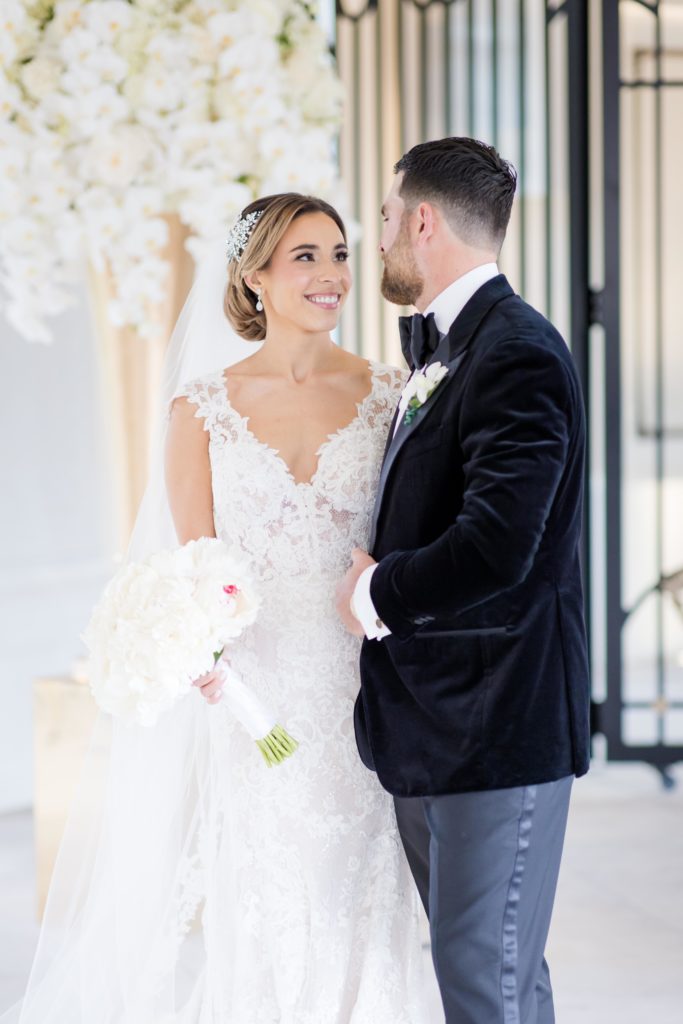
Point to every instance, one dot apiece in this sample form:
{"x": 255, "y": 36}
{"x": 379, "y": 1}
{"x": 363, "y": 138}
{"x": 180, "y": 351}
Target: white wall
{"x": 55, "y": 529}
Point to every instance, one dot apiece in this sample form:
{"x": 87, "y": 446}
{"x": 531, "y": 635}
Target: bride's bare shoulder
{"x": 245, "y": 367}
{"x": 386, "y": 380}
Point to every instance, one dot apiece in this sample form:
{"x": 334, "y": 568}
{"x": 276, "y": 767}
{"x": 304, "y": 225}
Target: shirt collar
{"x": 449, "y": 303}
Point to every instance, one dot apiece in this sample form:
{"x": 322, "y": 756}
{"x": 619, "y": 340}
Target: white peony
{"x": 159, "y": 624}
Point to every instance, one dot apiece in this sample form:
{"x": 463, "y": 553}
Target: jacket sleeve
{"x": 514, "y": 434}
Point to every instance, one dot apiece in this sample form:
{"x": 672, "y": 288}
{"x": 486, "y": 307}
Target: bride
{"x": 252, "y": 895}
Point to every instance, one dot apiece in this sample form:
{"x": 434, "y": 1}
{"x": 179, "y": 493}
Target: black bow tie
{"x": 419, "y": 338}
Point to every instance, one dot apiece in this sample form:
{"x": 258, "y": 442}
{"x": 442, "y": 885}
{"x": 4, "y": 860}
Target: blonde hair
{"x": 278, "y": 212}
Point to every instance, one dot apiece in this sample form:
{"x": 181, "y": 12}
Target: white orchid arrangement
{"x": 116, "y": 112}
{"x": 421, "y": 387}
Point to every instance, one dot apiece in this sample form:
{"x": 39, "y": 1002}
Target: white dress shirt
{"x": 447, "y": 305}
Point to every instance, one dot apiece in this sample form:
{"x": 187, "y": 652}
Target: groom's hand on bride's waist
{"x": 360, "y": 561}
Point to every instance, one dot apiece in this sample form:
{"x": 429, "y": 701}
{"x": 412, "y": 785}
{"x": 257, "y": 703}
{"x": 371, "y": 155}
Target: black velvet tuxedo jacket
{"x": 483, "y": 683}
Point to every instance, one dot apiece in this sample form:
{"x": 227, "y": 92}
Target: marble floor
{"x": 616, "y": 945}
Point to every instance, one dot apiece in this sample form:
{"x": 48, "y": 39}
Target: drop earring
{"x": 259, "y": 304}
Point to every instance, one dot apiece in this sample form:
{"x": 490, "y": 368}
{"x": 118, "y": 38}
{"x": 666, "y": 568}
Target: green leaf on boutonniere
{"x": 411, "y": 411}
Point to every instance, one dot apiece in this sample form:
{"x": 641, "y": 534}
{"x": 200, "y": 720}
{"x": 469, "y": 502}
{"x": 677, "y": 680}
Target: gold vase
{"x": 130, "y": 372}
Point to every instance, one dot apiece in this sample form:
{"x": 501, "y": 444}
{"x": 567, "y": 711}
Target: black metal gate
{"x": 583, "y": 96}
{"x": 642, "y": 115}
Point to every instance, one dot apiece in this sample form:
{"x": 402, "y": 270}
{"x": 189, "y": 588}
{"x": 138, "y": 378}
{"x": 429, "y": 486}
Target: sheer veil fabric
{"x": 117, "y": 942}
{"x": 194, "y": 886}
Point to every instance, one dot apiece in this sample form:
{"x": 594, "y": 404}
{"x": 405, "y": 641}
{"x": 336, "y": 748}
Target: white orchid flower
{"x": 421, "y": 387}
{"x": 137, "y": 109}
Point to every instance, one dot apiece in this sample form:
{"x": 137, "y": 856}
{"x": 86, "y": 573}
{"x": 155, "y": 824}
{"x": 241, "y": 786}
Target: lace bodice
{"x": 303, "y": 532}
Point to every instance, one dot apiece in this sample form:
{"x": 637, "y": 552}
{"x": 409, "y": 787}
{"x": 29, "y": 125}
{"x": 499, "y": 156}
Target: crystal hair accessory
{"x": 239, "y": 233}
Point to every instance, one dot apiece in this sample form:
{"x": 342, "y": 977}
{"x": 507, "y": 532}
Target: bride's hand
{"x": 211, "y": 686}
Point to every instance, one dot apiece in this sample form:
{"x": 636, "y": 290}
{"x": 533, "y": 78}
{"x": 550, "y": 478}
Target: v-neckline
{"x": 320, "y": 451}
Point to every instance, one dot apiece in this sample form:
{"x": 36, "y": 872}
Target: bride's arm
{"x": 188, "y": 482}
{"x": 188, "y": 473}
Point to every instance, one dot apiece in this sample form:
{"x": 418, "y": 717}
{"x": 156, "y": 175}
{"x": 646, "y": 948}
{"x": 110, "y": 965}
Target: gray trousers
{"x": 486, "y": 867}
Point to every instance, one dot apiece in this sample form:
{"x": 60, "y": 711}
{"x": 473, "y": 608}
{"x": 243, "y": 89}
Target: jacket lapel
{"x": 399, "y": 438}
{"x": 451, "y": 351}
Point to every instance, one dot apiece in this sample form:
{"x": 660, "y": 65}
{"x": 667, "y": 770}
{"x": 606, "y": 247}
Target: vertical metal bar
{"x": 380, "y": 156}
{"x": 471, "y": 108}
{"x": 401, "y": 77}
{"x": 577, "y": 27}
{"x": 423, "y": 76}
{"x": 494, "y": 70}
{"x": 448, "y": 112}
{"x": 660, "y": 417}
{"x": 548, "y": 169}
{"x": 611, "y": 723}
{"x": 521, "y": 168}
{"x": 357, "y": 183}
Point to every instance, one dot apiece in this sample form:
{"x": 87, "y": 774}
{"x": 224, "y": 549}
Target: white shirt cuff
{"x": 363, "y": 608}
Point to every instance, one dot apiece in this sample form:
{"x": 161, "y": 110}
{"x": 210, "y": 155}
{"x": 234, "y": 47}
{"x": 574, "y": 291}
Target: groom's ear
{"x": 425, "y": 221}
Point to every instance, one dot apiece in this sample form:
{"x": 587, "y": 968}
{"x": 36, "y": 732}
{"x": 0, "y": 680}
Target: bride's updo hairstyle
{"x": 277, "y": 213}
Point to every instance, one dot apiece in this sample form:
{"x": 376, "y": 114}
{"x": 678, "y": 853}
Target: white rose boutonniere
{"x": 421, "y": 387}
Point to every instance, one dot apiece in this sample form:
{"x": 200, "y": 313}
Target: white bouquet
{"x": 164, "y": 622}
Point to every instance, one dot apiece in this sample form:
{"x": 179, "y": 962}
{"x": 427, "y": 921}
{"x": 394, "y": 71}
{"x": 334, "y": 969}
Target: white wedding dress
{"x": 312, "y": 918}
{"x": 195, "y": 885}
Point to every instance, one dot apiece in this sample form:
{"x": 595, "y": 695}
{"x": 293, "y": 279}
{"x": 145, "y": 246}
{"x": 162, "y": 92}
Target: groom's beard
{"x": 402, "y": 282}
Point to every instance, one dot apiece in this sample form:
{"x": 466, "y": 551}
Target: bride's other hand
{"x": 210, "y": 686}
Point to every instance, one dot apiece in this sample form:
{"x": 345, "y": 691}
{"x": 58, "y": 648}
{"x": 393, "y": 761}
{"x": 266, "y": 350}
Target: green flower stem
{"x": 275, "y": 753}
{"x": 276, "y": 746}
{"x": 267, "y": 757}
{"x": 289, "y": 744}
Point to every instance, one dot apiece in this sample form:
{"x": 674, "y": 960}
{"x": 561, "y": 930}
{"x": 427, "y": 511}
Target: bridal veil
{"x": 119, "y": 942}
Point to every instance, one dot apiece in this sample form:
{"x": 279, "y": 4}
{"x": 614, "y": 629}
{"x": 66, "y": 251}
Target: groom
{"x": 474, "y": 702}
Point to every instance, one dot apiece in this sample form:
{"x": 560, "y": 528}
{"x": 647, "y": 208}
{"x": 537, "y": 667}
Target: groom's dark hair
{"x": 468, "y": 180}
